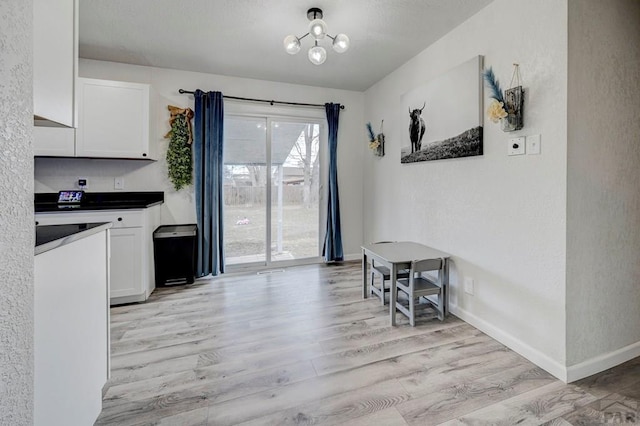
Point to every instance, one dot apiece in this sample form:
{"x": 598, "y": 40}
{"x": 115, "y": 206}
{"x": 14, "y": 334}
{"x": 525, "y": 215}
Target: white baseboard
{"x": 517, "y": 345}
{"x": 350, "y": 257}
{"x": 602, "y": 362}
{"x": 566, "y": 374}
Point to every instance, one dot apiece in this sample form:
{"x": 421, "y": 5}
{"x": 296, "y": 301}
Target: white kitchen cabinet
{"x": 113, "y": 119}
{"x": 54, "y": 141}
{"x": 55, "y": 68}
{"x": 126, "y": 247}
{"x": 132, "y": 269}
{"x": 71, "y": 331}
{"x": 55, "y": 53}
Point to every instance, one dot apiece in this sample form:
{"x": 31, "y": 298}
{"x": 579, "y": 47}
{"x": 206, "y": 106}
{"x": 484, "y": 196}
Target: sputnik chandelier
{"x": 318, "y": 30}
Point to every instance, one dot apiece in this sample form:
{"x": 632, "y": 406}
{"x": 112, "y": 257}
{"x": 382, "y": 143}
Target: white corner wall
{"x": 502, "y": 218}
{"x": 55, "y": 174}
{"x": 16, "y": 212}
{"x": 603, "y": 230}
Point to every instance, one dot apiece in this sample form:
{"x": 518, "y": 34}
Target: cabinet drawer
{"x": 119, "y": 218}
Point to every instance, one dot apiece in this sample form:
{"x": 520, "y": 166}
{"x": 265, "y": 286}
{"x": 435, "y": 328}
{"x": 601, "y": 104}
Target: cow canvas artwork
{"x": 416, "y": 128}
{"x": 444, "y": 116}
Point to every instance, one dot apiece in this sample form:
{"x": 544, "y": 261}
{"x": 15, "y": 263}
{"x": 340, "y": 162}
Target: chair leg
{"x": 412, "y": 311}
{"x": 381, "y": 288}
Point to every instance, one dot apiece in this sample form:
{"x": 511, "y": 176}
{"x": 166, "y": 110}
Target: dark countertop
{"x": 49, "y": 237}
{"x": 48, "y": 202}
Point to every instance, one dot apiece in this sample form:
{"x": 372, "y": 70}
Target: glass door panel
{"x": 295, "y": 174}
{"x": 245, "y": 190}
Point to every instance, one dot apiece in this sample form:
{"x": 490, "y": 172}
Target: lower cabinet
{"x": 126, "y": 248}
{"x": 71, "y": 332}
{"x": 132, "y": 268}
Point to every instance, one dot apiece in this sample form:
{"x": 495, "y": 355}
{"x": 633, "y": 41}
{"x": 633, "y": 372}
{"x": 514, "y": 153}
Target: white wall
{"x": 502, "y": 218}
{"x": 603, "y": 238}
{"x": 56, "y": 174}
{"x": 16, "y": 212}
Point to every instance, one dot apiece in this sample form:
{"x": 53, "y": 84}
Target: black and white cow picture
{"x": 416, "y": 128}
{"x": 445, "y": 116}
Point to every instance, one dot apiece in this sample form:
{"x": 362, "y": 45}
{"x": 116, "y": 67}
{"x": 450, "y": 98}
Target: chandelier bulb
{"x": 291, "y": 44}
{"x": 318, "y": 29}
{"x": 341, "y": 43}
{"x": 317, "y": 55}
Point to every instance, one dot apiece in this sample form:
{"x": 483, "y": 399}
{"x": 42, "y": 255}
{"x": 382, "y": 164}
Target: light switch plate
{"x": 533, "y": 145}
{"x": 515, "y": 146}
{"x": 469, "y": 286}
{"x": 118, "y": 183}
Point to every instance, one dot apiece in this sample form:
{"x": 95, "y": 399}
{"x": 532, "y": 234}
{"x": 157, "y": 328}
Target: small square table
{"x": 397, "y": 256}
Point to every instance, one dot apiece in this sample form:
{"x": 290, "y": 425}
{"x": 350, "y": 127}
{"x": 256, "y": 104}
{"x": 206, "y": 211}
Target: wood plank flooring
{"x": 301, "y": 347}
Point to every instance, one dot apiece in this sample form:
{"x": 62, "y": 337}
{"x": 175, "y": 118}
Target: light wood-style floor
{"x": 301, "y": 347}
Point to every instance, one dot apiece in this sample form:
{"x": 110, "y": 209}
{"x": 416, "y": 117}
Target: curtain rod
{"x": 182, "y": 91}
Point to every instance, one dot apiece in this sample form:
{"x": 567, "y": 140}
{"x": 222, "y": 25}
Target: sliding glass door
{"x": 271, "y": 191}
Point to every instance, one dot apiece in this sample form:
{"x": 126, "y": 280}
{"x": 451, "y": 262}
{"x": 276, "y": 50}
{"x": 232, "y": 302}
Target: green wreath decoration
{"x": 179, "y": 153}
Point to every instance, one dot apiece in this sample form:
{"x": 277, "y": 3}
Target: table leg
{"x": 365, "y": 292}
{"x": 445, "y": 283}
{"x": 392, "y": 295}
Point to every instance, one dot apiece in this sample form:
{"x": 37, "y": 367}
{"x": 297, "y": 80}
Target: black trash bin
{"x": 174, "y": 250}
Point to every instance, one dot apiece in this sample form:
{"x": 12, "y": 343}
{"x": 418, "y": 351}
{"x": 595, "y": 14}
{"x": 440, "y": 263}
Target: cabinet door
{"x": 113, "y": 119}
{"x": 54, "y": 141}
{"x": 54, "y": 59}
{"x": 71, "y": 329}
{"x": 126, "y": 265}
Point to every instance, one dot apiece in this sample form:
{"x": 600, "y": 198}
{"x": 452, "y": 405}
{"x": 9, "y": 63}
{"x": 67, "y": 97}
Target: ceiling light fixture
{"x": 318, "y": 30}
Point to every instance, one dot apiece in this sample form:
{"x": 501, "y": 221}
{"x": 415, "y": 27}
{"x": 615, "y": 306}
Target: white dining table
{"x": 397, "y": 256}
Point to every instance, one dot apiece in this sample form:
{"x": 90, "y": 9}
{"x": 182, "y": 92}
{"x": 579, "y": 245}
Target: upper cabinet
{"x": 79, "y": 117}
{"x": 113, "y": 119}
{"x": 55, "y": 53}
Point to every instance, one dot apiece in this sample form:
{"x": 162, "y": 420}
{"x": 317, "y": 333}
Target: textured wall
{"x": 56, "y": 174}
{"x": 502, "y": 218}
{"x": 16, "y": 213}
{"x": 603, "y": 230}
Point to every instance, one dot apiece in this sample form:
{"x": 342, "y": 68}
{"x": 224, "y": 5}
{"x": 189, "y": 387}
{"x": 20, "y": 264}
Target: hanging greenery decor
{"x": 179, "y": 152}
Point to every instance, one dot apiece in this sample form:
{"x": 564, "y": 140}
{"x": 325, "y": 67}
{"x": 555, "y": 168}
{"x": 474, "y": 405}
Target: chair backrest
{"x": 426, "y": 265}
{"x": 419, "y": 266}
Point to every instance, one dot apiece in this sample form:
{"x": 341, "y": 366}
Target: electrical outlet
{"x": 533, "y": 145}
{"x": 515, "y": 146}
{"x": 469, "y": 286}
{"x": 118, "y": 183}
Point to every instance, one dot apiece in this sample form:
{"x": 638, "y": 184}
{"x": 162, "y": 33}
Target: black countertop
{"x": 48, "y": 202}
{"x": 49, "y": 237}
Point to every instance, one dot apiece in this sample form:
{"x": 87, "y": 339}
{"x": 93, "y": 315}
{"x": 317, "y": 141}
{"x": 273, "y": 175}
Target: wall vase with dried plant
{"x": 506, "y": 108}
{"x": 376, "y": 141}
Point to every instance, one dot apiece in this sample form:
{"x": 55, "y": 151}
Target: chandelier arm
{"x": 300, "y": 38}
{"x": 331, "y": 37}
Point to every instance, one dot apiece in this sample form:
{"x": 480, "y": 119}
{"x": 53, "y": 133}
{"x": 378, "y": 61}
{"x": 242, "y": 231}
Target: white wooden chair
{"x": 419, "y": 285}
{"x": 384, "y": 274}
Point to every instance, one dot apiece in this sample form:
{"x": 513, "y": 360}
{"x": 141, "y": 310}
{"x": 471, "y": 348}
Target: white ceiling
{"x": 243, "y": 38}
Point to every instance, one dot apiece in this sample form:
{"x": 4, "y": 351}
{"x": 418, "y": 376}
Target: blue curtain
{"x": 332, "y": 250}
{"x": 207, "y": 152}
